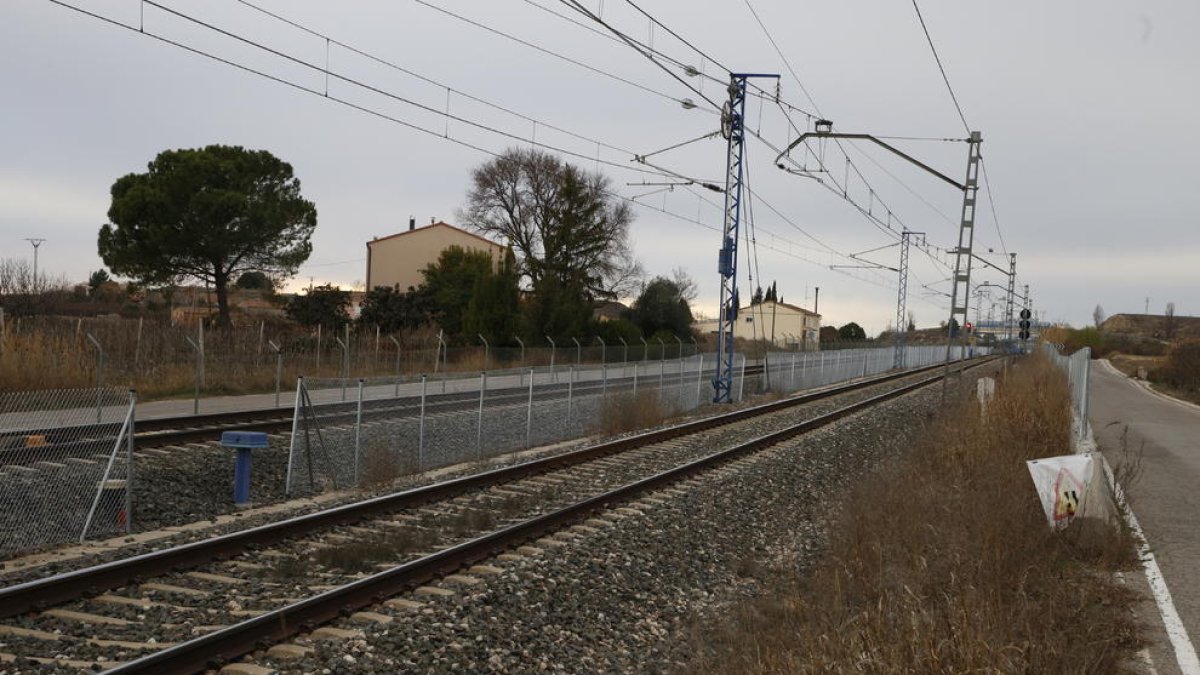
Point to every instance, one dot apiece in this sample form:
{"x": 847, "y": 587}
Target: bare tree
{"x": 1098, "y": 316}
{"x": 1169, "y": 321}
{"x": 562, "y": 221}
{"x": 685, "y": 283}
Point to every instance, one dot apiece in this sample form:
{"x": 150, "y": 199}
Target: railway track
{"x": 212, "y": 601}
{"x": 83, "y": 441}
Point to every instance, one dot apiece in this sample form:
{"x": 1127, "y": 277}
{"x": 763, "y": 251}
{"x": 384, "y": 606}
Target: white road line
{"x": 1185, "y": 652}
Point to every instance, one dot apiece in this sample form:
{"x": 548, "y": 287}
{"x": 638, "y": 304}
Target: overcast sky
{"x": 1088, "y": 112}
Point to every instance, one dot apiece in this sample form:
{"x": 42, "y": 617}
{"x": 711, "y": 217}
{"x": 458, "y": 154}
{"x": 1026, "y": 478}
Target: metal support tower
{"x": 732, "y": 118}
{"x": 1008, "y": 308}
{"x": 902, "y": 300}
{"x": 961, "y": 281}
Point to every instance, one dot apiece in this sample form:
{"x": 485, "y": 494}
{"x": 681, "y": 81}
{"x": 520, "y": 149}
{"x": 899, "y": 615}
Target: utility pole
{"x": 36, "y": 243}
{"x": 961, "y": 281}
{"x": 1008, "y": 307}
{"x": 902, "y": 299}
{"x": 732, "y": 118}
{"x": 966, "y": 232}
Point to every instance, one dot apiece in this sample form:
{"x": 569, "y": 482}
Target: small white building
{"x": 786, "y": 326}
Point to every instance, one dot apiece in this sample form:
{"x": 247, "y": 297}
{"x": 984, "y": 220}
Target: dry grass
{"x": 943, "y": 563}
{"x": 364, "y": 556}
{"x": 625, "y": 412}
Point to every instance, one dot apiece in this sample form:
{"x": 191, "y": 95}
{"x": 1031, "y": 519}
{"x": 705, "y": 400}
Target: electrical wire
{"x": 639, "y": 48}
{"x": 441, "y": 85}
{"x": 548, "y": 52}
{"x": 357, "y": 83}
{"x": 938, "y": 59}
{"x": 987, "y": 185}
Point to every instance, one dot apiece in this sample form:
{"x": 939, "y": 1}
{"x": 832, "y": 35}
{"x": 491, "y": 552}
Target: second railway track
{"x": 214, "y": 600}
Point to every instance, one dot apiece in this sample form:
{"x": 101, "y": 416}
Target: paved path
{"x": 1166, "y": 499}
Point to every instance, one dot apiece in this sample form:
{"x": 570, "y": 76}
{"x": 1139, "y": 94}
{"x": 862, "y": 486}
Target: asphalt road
{"x": 1166, "y": 498}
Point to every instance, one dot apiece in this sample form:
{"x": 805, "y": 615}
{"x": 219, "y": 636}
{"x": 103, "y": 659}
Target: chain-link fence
{"x": 355, "y": 432}
{"x": 1078, "y": 367}
{"x": 369, "y": 431}
{"x": 65, "y": 466}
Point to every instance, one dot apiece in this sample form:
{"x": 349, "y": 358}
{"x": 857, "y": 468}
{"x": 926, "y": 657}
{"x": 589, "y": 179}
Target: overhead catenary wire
{"x": 321, "y": 93}
{"x": 639, "y": 48}
{"x": 549, "y": 52}
{"x": 941, "y": 68}
{"x": 354, "y": 82}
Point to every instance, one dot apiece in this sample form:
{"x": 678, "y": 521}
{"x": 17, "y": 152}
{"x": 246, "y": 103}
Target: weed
{"x": 625, "y": 412}
{"x": 363, "y": 556}
{"x": 942, "y": 562}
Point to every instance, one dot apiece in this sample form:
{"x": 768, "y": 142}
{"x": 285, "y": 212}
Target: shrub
{"x": 1182, "y": 368}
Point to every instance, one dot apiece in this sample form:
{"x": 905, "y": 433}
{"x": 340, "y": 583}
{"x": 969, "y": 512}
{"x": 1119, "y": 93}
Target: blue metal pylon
{"x": 732, "y": 128}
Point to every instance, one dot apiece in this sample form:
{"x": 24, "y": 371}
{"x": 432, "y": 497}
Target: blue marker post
{"x": 245, "y": 442}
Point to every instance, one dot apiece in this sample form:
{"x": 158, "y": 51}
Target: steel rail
{"x": 31, "y": 595}
{"x": 218, "y": 647}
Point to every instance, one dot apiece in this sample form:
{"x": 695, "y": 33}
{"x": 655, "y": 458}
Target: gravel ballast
{"x": 627, "y": 598}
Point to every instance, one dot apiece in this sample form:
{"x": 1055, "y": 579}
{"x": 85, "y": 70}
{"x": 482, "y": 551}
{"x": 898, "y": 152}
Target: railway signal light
{"x": 1026, "y": 314}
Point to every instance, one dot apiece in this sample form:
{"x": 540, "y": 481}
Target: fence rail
{"x": 1078, "y": 368}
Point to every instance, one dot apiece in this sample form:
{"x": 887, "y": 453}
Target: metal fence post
{"x": 421, "y": 425}
{"x": 603, "y": 349}
{"x": 679, "y": 387}
{"x": 196, "y": 388}
{"x": 662, "y": 372}
{"x": 522, "y": 343}
{"x": 578, "y": 351}
{"x": 635, "y": 376}
{"x": 487, "y": 349}
{"x": 529, "y": 412}
{"x": 479, "y": 428}
{"x": 287, "y": 483}
{"x": 202, "y": 354}
{"x": 625, "y": 351}
{"x": 397, "y": 343}
{"x": 742, "y": 382}
{"x": 821, "y": 374}
{"x": 553, "y": 348}
{"x": 604, "y": 379}
{"x": 99, "y": 374}
{"x": 346, "y": 362}
{"x": 570, "y": 394}
{"x": 866, "y": 358}
{"x": 262, "y": 329}
{"x": 137, "y": 346}
{"x": 278, "y": 369}
{"x": 699, "y": 378}
{"x": 129, "y": 461}
{"x": 793, "y": 378}
{"x": 662, "y": 350}
{"x": 358, "y": 434}
{"x": 645, "y": 349}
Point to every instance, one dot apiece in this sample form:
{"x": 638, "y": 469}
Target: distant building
{"x": 608, "y": 310}
{"x": 396, "y": 260}
{"x": 793, "y": 328}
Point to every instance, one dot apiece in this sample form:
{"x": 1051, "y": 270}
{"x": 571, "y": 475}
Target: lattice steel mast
{"x": 732, "y": 119}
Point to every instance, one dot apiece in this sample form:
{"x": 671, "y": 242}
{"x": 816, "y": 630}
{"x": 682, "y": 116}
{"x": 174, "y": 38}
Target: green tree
{"x": 208, "y": 214}
{"x": 451, "y": 281}
{"x": 852, "y": 331}
{"x": 97, "y": 279}
{"x": 613, "y": 331}
{"x": 495, "y": 305}
{"x": 255, "y": 280}
{"x": 392, "y": 310}
{"x": 326, "y": 306}
{"x": 662, "y": 307}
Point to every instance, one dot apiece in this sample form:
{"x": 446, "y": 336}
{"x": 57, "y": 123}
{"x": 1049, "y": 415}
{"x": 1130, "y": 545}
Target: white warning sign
{"x": 1063, "y": 484}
